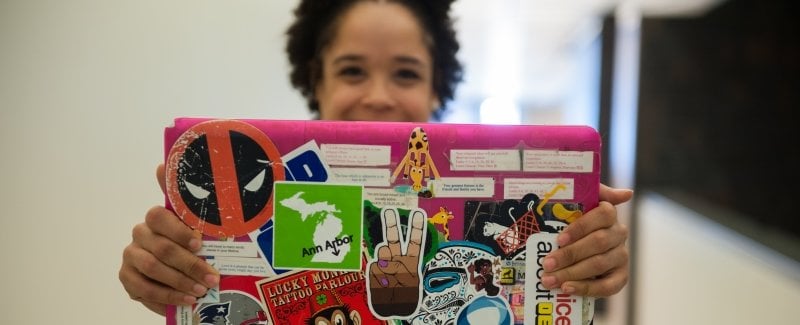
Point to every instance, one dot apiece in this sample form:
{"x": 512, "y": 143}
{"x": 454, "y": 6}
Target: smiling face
{"x": 377, "y": 67}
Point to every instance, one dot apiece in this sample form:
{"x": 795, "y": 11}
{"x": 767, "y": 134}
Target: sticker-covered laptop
{"x": 331, "y": 222}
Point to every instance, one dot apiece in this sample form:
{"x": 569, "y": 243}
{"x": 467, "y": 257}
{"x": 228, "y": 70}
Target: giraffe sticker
{"x": 417, "y": 162}
{"x": 442, "y": 218}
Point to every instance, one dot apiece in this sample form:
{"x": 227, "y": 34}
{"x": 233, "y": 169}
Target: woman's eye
{"x": 407, "y": 74}
{"x": 351, "y": 72}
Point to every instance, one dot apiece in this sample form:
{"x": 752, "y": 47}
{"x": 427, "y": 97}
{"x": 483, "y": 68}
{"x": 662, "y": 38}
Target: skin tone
{"x": 378, "y": 68}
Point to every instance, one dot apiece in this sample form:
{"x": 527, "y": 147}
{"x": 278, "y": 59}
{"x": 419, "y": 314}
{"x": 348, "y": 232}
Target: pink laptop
{"x": 331, "y": 222}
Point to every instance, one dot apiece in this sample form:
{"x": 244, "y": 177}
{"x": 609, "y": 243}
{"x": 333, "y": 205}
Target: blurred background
{"x": 695, "y": 99}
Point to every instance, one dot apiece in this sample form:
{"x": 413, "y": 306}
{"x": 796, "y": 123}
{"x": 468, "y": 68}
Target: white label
{"x": 544, "y": 306}
{"x": 494, "y": 160}
{"x": 228, "y": 248}
{"x": 516, "y": 188}
{"x": 391, "y": 198}
{"x": 356, "y": 155}
{"x": 212, "y": 295}
{"x": 558, "y": 161}
{"x": 463, "y": 187}
{"x": 243, "y": 266}
{"x": 183, "y": 315}
{"x": 374, "y": 177}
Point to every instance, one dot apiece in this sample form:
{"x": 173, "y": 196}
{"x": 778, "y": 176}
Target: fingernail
{"x": 568, "y": 290}
{"x": 195, "y": 244}
{"x": 189, "y": 299}
{"x": 199, "y": 290}
{"x": 549, "y": 281}
{"x": 383, "y": 263}
{"x": 211, "y": 280}
{"x": 384, "y": 282}
{"x": 563, "y": 239}
{"x": 549, "y": 264}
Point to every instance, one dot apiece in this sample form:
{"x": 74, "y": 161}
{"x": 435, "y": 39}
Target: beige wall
{"x": 86, "y": 87}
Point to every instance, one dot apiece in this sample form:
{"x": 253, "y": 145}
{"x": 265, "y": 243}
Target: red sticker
{"x": 220, "y": 175}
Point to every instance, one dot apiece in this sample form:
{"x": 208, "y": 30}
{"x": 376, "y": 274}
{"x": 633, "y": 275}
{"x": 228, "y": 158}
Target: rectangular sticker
{"x": 243, "y": 266}
{"x": 547, "y": 306}
{"x": 294, "y": 298}
{"x": 183, "y": 315}
{"x": 317, "y": 226}
{"x": 374, "y": 177}
{"x": 558, "y": 161}
{"x": 463, "y": 187}
{"x": 386, "y": 197}
{"x": 356, "y": 155}
{"x": 516, "y": 188}
{"x": 228, "y": 248}
{"x": 485, "y": 160}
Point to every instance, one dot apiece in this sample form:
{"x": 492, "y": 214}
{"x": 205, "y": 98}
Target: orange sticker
{"x": 220, "y": 176}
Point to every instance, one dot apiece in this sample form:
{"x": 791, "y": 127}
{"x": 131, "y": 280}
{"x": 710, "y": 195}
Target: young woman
{"x": 377, "y": 61}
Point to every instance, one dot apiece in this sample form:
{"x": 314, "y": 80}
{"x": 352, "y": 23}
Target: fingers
{"x": 135, "y": 277}
{"x": 391, "y": 232}
{"x": 160, "y": 309}
{"x": 392, "y": 295}
{"x": 159, "y": 267}
{"x": 603, "y": 216}
{"x": 150, "y": 280}
{"x": 384, "y": 253}
{"x": 603, "y": 286}
{"x": 161, "y": 177}
{"x": 417, "y": 233}
{"x": 158, "y": 270}
{"x": 600, "y": 275}
{"x": 393, "y": 273}
{"x": 593, "y": 257}
{"x": 615, "y": 196}
{"x": 157, "y": 264}
{"x": 165, "y": 223}
{"x": 172, "y": 244}
{"x": 391, "y": 266}
{"x": 597, "y": 232}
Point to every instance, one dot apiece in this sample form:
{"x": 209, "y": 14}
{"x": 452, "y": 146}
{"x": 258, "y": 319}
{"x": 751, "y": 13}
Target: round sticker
{"x": 220, "y": 175}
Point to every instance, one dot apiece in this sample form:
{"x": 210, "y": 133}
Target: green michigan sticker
{"x": 317, "y": 226}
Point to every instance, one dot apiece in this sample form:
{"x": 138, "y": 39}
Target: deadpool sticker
{"x": 220, "y": 175}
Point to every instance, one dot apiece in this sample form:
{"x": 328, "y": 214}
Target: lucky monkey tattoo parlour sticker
{"x": 318, "y": 226}
{"x": 220, "y": 176}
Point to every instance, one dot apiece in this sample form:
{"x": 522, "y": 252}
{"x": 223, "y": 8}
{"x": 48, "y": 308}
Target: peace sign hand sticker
{"x": 394, "y": 273}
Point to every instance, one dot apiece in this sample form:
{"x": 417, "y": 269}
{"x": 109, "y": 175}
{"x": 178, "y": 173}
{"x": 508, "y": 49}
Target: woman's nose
{"x": 379, "y": 95}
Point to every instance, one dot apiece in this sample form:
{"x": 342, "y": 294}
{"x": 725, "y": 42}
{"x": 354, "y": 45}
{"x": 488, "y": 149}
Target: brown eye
{"x": 407, "y": 74}
{"x": 352, "y": 72}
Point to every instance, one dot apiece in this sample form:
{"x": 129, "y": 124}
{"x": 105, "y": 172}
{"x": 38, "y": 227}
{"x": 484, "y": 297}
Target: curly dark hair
{"x": 315, "y": 25}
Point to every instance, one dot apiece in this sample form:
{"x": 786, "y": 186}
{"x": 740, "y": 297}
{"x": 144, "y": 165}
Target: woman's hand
{"x": 159, "y": 266}
{"x": 592, "y": 259}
